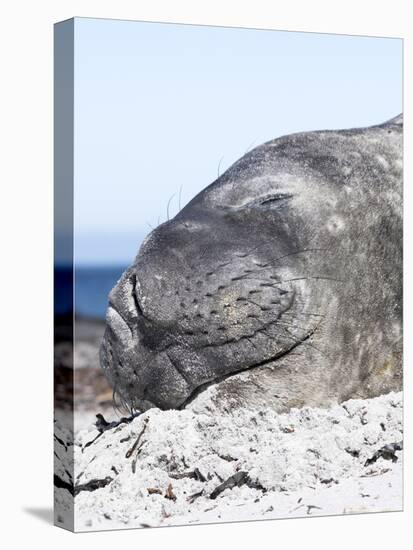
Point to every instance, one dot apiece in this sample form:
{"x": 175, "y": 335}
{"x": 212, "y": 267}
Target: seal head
{"x": 281, "y": 279}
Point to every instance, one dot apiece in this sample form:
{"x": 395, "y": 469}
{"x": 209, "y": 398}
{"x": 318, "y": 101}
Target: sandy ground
{"x": 185, "y": 467}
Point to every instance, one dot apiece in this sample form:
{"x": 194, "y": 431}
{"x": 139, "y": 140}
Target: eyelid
{"x": 275, "y": 198}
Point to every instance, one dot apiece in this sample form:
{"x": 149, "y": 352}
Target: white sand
{"x": 306, "y": 462}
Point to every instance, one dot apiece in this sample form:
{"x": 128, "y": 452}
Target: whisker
{"x": 167, "y": 207}
{"x": 271, "y": 336}
{"x": 203, "y": 252}
{"x": 307, "y": 343}
{"x": 179, "y": 198}
{"x": 289, "y": 336}
{"x": 120, "y": 405}
{"x": 295, "y": 253}
{"x": 312, "y": 314}
{"x": 250, "y": 146}
{"x": 274, "y": 260}
{"x": 263, "y": 267}
{"x": 247, "y": 277}
{"x": 251, "y": 342}
{"x": 278, "y": 322}
{"x": 316, "y": 277}
{"x": 245, "y": 254}
{"x": 219, "y": 165}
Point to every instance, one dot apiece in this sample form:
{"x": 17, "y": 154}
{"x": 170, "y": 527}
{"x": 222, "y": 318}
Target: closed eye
{"x": 271, "y": 201}
{"x": 275, "y": 199}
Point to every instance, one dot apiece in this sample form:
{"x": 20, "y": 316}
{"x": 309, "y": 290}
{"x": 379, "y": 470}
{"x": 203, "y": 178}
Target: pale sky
{"x": 160, "y": 106}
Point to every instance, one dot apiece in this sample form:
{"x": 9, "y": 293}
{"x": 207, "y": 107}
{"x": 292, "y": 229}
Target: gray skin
{"x": 280, "y": 283}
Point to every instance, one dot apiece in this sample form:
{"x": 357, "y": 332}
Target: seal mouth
{"x": 116, "y": 322}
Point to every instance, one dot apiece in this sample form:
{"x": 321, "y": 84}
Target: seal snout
{"x": 174, "y": 326}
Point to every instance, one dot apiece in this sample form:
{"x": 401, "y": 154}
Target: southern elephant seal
{"x": 281, "y": 282}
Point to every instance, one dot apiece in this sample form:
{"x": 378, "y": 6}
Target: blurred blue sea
{"x": 92, "y": 286}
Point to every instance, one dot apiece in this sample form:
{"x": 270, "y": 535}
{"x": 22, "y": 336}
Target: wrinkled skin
{"x": 280, "y": 282}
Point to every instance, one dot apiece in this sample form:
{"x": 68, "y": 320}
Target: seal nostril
{"x": 135, "y": 296}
